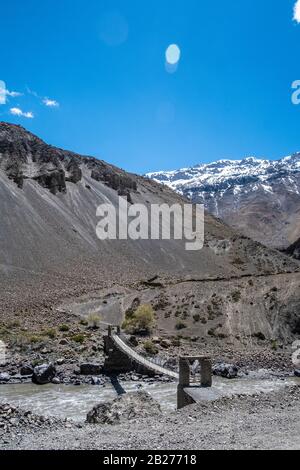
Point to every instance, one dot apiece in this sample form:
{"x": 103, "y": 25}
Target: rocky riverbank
{"x": 77, "y": 379}
{"x": 261, "y": 421}
{"x": 14, "y": 421}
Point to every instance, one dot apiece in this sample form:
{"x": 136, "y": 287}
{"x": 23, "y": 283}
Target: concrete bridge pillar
{"x": 116, "y": 362}
{"x": 206, "y": 372}
{"x": 183, "y": 398}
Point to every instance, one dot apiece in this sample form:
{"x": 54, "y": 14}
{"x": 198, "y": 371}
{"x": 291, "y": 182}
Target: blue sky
{"x": 101, "y": 66}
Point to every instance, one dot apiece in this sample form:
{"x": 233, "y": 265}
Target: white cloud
{"x": 297, "y": 11}
{"x": 50, "y": 103}
{"x": 46, "y": 101}
{"x": 4, "y": 93}
{"x": 19, "y": 112}
{"x": 16, "y": 111}
{"x": 13, "y": 94}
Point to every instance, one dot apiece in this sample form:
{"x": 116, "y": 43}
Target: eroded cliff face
{"x": 25, "y": 156}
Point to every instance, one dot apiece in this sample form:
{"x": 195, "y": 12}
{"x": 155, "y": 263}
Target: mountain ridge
{"x": 257, "y": 196}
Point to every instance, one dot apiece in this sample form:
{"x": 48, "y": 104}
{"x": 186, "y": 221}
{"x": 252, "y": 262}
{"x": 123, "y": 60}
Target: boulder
{"x": 90, "y": 369}
{"x": 165, "y": 343}
{"x": 26, "y": 370}
{"x": 133, "y": 341}
{"x": 96, "y": 381}
{"x": 64, "y": 342}
{"x": 4, "y": 377}
{"x": 56, "y": 381}
{"x": 155, "y": 339}
{"x": 228, "y": 371}
{"x": 60, "y": 361}
{"x": 297, "y": 372}
{"x": 43, "y": 374}
{"x": 126, "y": 407}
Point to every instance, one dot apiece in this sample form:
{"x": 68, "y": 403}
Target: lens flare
{"x": 173, "y": 54}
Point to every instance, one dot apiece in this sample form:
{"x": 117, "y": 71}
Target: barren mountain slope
{"x": 48, "y": 245}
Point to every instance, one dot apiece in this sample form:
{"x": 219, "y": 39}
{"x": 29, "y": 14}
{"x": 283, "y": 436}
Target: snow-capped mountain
{"x": 260, "y": 197}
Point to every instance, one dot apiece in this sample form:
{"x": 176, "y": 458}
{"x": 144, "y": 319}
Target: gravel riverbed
{"x": 262, "y": 421}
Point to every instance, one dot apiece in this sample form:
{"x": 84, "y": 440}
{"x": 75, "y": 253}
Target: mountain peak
{"x": 229, "y": 188}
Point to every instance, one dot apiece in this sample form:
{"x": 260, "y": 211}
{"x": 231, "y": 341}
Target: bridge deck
{"x": 142, "y": 360}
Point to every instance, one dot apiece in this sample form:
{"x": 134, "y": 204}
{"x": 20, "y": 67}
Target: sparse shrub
{"x": 196, "y": 317}
{"x": 259, "y": 335}
{"x": 78, "y": 338}
{"x": 274, "y": 346}
{"x": 194, "y": 339}
{"x": 238, "y": 261}
{"x": 133, "y": 341}
{"x": 236, "y": 296}
{"x": 221, "y": 335}
{"x": 176, "y": 341}
{"x": 141, "y": 321}
{"x": 84, "y": 322}
{"x": 161, "y": 303}
{"x": 34, "y": 339}
{"x": 216, "y": 301}
{"x": 180, "y": 325}
{"x": 51, "y": 333}
{"x": 94, "y": 321}
{"x": 64, "y": 328}
{"x": 211, "y": 332}
{"x": 150, "y": 348}
{"x": 14, "y": 324}
{"x": 36, "y": 362}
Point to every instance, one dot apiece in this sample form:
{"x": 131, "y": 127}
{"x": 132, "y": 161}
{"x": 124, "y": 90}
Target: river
{"x": 70, "y": 401}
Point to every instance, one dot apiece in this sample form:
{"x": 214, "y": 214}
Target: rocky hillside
{"x": 48, "y": 245}
{"x": 26, "y": 157}
{"x": 259, "y": 197}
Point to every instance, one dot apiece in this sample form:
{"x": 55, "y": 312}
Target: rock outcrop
{"x": 25, "y": 156}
